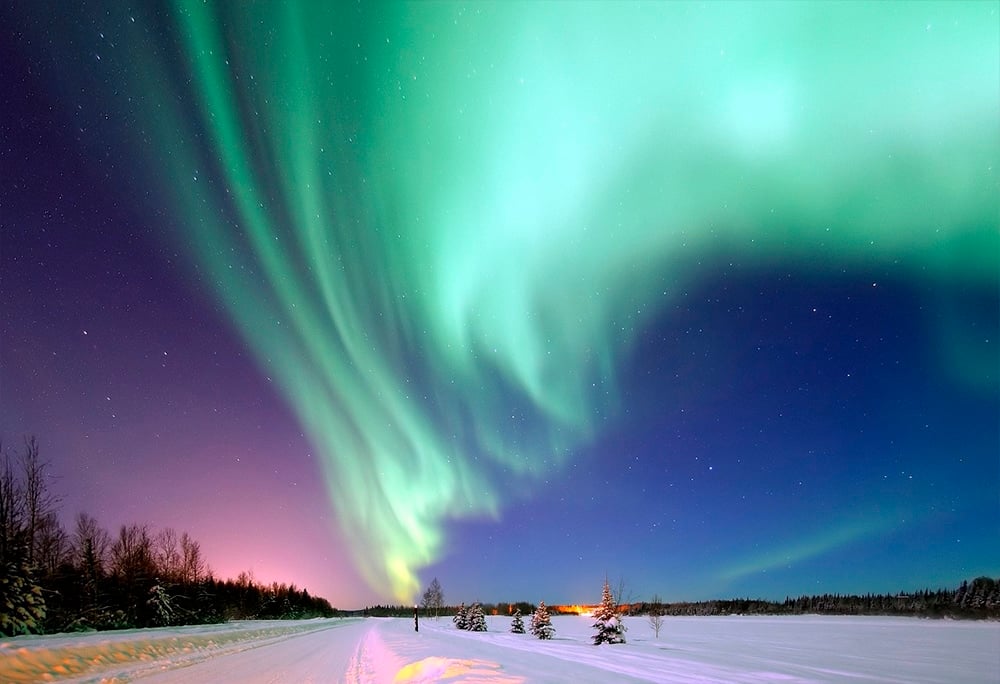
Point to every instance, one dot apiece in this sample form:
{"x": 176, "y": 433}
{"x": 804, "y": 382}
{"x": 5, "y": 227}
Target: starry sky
{"x": 704, "y": 297}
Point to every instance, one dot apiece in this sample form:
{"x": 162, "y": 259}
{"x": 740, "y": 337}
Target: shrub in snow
{"x": 541, "y": 623}
{"x": 461, "y": 618}
{"x": 163, "y": 608}
{"x": 610, "y": 629}
{"x": 517, "y": 624}
{"x": 476, "y": 619}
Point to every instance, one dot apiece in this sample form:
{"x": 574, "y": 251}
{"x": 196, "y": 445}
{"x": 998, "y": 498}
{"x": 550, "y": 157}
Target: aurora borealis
{"x": 705, "y": 296}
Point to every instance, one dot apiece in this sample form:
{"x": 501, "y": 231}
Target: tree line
{"x": 55, "y": 580}
{"x": 396, "y": 610}
{"x": 977, "y": 599}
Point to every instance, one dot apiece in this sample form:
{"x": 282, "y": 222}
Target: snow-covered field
{"x": 355, "y": 650}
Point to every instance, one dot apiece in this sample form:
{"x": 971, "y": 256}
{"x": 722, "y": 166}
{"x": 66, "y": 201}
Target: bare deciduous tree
{"x": 193, "y": 567}
{"x": 167, "y": 554}
{"x": 433, "y": 598}
{"x": 11, "y": 510}
{"x": 623, "y": 597}
{"x": 39, "y": 502}
{"x": 52, "y": 545}
{"x": 132, "y": 554}
{"x": 26, "y": 504}
{"x": 655, "y": 615}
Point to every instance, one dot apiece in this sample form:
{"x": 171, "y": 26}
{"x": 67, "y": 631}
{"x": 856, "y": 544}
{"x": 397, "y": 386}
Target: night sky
{"x": 520, "y": 296}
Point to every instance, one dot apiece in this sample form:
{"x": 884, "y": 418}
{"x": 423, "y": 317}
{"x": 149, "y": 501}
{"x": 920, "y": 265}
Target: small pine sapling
{"x": 517, "y": 624}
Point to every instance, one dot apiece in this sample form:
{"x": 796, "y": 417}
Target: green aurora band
{"x": 439, "y": 226}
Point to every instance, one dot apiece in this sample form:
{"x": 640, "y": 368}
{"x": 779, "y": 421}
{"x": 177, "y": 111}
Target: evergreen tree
{"x": 161, "y": 603}
{"x": 610, "y": 629}
{"x": 541, "y": 623}
{"x": 477, "y": 620}
{"x": 517, "y": 624}
{"x": 461, "y": 618}
{"x": 22, "y": 608}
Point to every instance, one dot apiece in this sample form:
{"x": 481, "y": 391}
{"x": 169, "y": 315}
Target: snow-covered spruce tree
{"x": 22, "y": 608}
{"x": 517, "y": 624}
{"x": 477, "y": 621}
{"x": 541, "y": 623}
{"x": 610, "y": 629}
{"x": 461, "y": 618}
{"x": 163, "y": 606}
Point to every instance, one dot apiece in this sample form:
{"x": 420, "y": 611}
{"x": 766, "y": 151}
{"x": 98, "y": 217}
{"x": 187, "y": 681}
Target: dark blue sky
{"x": 796, "y": 396}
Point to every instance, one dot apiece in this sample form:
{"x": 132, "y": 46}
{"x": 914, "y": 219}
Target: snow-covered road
{"x": 357, "y": 650}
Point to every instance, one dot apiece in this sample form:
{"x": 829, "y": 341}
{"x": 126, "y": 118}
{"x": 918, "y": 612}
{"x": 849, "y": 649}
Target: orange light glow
{"x": 572, "y": 610}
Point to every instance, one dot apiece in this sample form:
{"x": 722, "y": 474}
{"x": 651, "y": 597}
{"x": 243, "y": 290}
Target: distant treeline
{"x": 54, "y": 580}
{"x": 501, "y": 608}
{"x": 977, "y": 599}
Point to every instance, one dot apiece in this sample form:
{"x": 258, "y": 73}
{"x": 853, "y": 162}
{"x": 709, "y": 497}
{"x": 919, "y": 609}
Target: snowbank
{"x": 695, "y": 649}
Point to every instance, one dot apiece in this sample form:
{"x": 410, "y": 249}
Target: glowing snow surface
{"x": 356, "y": 651}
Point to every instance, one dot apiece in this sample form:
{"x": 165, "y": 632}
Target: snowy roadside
{"x": 387, "y": 650}
{"x": 125, "y": 655}
{"x": 736, "y": 649}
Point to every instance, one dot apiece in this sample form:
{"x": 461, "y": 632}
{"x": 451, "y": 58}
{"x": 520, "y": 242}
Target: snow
{"x": 373, "y": 650}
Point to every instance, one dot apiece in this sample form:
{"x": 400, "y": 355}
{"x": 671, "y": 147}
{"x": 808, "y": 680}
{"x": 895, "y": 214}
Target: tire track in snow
{"x": 372, "y": 661}
{"x": 358, "y": 668}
